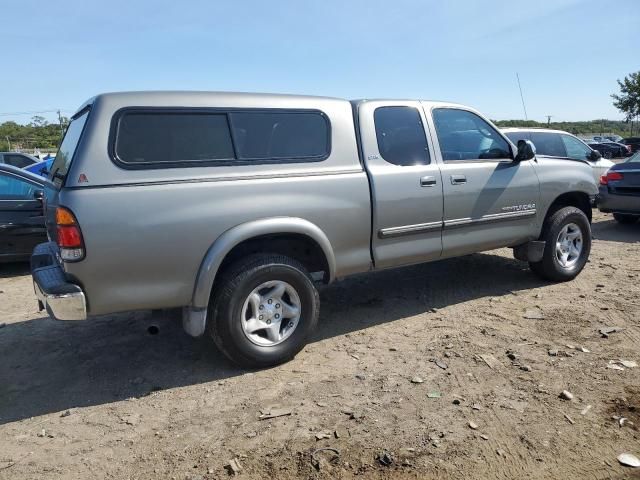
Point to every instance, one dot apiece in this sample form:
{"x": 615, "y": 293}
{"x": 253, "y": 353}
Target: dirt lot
{"x": 107, "y": 399}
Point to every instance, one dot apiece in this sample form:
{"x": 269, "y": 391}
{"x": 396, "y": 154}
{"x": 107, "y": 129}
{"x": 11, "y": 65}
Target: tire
{"x": 625, "y": 219}
{"x": 551, "y": 267}
{"x": 233, "y": 322}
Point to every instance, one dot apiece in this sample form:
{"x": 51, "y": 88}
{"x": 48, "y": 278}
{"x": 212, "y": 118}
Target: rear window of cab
{"x": 165, "y": 138}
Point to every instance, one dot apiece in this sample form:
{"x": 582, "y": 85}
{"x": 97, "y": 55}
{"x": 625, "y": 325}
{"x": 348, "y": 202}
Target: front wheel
{"x": 567, "y": 234}
{"x": 263, "y": 310}
{"x": 625, "y": 219}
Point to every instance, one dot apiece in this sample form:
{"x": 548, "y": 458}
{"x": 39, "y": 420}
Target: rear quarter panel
{"x": 146, "y": 232}
{"x": 144, "y": 244}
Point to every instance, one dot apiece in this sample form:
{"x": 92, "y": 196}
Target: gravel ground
{"x": 446, "y": 370}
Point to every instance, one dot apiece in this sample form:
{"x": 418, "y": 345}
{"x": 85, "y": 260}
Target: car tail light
{"x": 609, "y": 177}
{"x": 69, "y": 236}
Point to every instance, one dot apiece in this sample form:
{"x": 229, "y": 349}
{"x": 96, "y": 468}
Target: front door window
{"x": 575, "y": 148}
{"x": 463, "y": 135}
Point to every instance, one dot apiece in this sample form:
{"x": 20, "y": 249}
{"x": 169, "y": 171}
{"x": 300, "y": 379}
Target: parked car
{"x": 559, "y": 144}
{"x": 606, "y": 149}
{"x": 620, "y": 190}
{"x": 41, "y": 168}
{"x": 22, "y": 224}
{"x": 625, "y": 150}
{"x": 17, "y": 159}
{"x": 611, "y": 138}
{"x": 632, "y": 142}
{"x": 233, "y": 206}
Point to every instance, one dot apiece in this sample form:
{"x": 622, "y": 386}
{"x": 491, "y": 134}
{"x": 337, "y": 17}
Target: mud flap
{"x": 194, "y": 321}
{"x": 530, "y": 251}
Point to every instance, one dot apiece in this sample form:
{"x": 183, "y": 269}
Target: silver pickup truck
{"x": 234, "y": 207}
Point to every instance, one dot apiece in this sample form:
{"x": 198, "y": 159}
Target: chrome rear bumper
{"x": 62, "y": 299}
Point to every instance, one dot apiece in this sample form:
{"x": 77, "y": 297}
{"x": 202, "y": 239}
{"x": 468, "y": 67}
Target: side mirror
{"x": 595, "y": 155}
{"x": 39, "y": 195}
{"x": 526, "y": 151}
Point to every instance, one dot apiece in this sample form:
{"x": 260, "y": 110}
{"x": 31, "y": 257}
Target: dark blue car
{"x": 620, "y": 191}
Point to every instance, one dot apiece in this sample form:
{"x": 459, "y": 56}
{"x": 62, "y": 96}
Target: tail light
{"x": 69, "y": 236}
{"x": 610, "y": 177}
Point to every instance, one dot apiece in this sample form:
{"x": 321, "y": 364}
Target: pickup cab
{"x": 234, "y": 207}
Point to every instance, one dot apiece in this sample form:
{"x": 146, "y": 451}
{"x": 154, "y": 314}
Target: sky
{"x": 568, "y": 53}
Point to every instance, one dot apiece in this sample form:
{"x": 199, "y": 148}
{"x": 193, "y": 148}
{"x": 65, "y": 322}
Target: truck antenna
{"x": 522, "y": 97}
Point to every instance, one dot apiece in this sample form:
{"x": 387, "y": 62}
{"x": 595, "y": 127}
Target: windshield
{"x": 67, "y": 148}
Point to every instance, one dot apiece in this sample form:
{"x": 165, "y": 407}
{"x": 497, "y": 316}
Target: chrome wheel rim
{"x": 569, "y": 245}
{"x": 271, "y": 313}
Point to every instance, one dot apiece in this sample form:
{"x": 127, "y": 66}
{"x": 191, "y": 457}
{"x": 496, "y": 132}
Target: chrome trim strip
{"x": 409, "y": 229}
{"x": 491, "y": 218}
{"x": 265, "y": 176}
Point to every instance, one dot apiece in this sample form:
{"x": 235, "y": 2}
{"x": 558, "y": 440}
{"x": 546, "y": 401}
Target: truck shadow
{"x": 368, "y": 300}
{"x": 8, "y": 270}
{"x": 612, "y": 231}
{"x": 48, "y": 366}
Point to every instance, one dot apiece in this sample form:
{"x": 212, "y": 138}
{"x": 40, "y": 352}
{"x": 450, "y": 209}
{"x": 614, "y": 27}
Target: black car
{"x": 22, "y": 224}
{"x": 620, "y": 190}
{"x": 633, "y": 142}
{"x": 17, "y": 159}
{"x": 608, "y": 150}
{"x": 625, "y": 150}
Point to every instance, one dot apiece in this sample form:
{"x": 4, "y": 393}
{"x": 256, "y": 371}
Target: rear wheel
{"x": 625, "y": 219}
{"x": 263, "y": 310}
{"x": 567, "y": 234}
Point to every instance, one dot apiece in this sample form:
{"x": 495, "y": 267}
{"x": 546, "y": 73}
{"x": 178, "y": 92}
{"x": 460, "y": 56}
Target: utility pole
{"x": 8, "y": 141}
{"x": 60, "y": 122}
{"x": 548, "y": 119}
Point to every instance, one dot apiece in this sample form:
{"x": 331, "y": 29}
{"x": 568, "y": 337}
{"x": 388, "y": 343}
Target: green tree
{"x": 628, "y": 101}
{"x": 38, "y": 121}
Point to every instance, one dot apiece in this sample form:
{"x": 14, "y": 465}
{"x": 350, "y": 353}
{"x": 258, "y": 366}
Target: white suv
{"x": 559, "y": 144}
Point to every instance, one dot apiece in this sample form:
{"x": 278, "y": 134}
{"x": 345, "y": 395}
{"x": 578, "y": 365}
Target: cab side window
{"x": 575, "y": 148}
{"x": 400, "y": 135}
{"x": 463, "y": 135}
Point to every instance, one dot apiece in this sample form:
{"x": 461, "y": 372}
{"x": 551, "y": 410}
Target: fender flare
{"x": 246, "y": 231}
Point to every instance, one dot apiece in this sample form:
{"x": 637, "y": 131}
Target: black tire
{"x": 550, "y": 267}
{"x": 625, "y": 219}
{"x": 224, "y": 324}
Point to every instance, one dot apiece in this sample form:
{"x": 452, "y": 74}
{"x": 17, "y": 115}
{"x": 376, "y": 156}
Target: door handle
{"x": 427, "y": 181}
{"x": 458, "y": 179}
